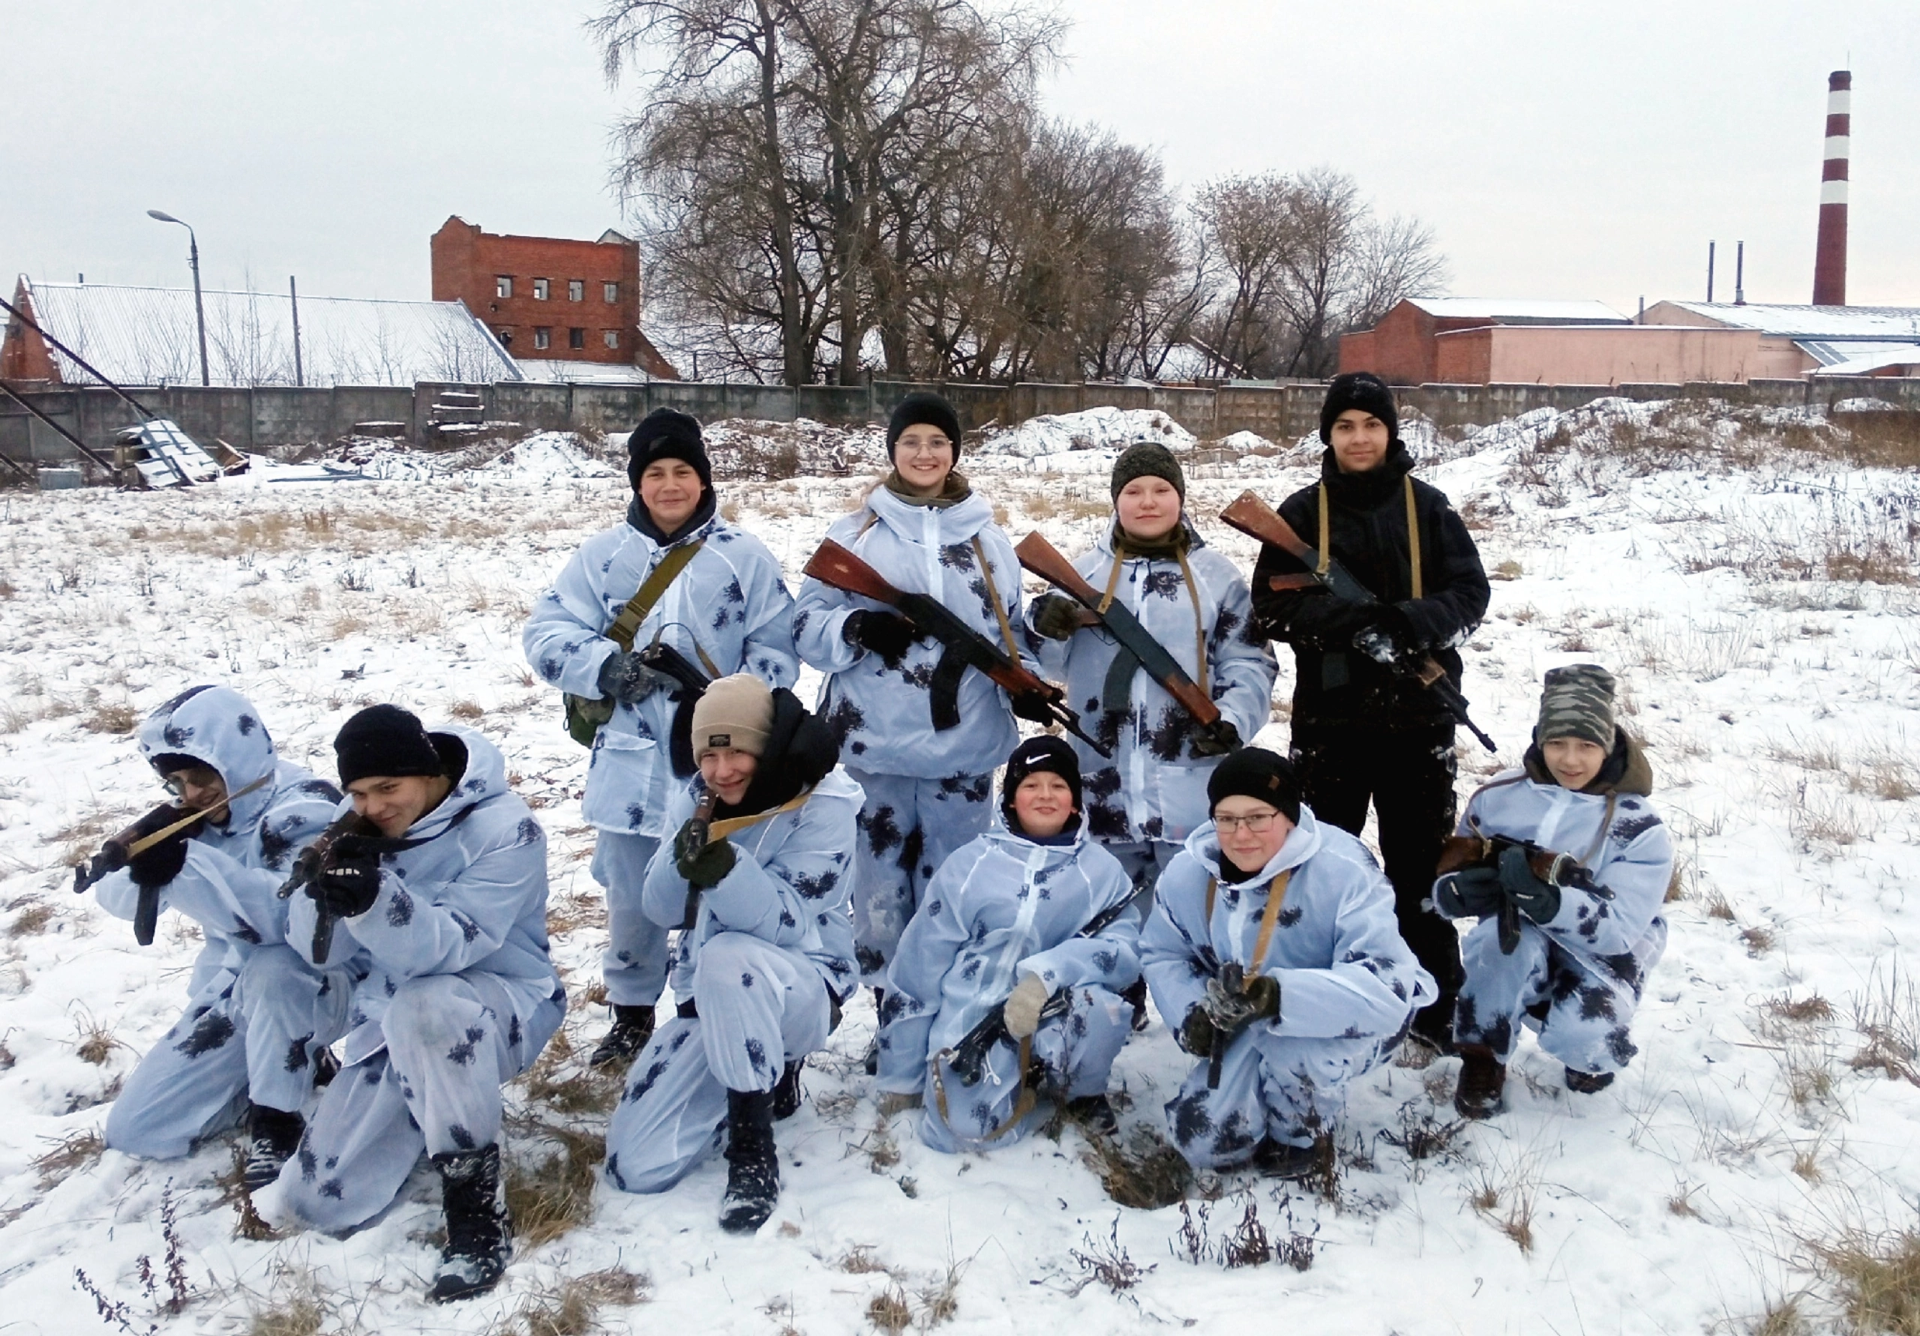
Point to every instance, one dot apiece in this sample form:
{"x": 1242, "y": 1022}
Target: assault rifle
{"x": 313, "y": 861}
{"x": 1138, "y": 648}
{"x": 1233, "y": 977}
{"x": 690, "y": 683}
{"x": 695, "y": 837}
{"x": 968, "y": 1057}
{"x": 1459, "y": 852}
{"x": 1258, "y": 520}
{"x": 964, "y": 647}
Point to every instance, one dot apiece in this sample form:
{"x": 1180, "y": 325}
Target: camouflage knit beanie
{"x": 1577, "y": 703}
{"x": 1147, "y": 459}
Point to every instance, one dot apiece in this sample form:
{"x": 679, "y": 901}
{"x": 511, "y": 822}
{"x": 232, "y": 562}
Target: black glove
{"x": 156, "y": 866}
{"x": 1233, "y": 1009}
{"x": 349, "y": 880}
{"x": 1033, "y": 706}
{"x": 1056, "y": 617}
{"x": 1218, "y": 740}
{"x": 1387, "y": 637}
{"x": 1195, "y": 1034}
{"x": 1322, "y": 621}
{"x": 1472, "y": 892}
{"x": 1538, "y": 900}
{"x": 703, "y": 864}
{"x": 884, "y": 633}
{"x": 626, "y": 679}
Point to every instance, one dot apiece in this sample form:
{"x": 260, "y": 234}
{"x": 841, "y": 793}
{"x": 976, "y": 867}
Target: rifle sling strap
{"x": 1413, "y": 538}
{"x": 627, "y": 624}
{"x": 1023, "y": 1101}
{"x": 719, "y": 830}
{"x": 1270, "y": 916}
{"x": 993, "y": 597}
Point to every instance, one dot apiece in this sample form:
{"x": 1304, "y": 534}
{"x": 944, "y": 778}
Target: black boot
{"x": 1483, "y": 1078}
{"x": 753, "y": 1167}
{"x": 1433, "y": 1026}
{"x": 1136, "y": 993}
{"x": 786, "y": 1095}
{"x": 871, "y": 1062}
{"x": 1284, "y": 1160}
{"x": 1588, "y": 1083}
{"x": 632, "y": 1027}
{"x": 273, "y": 1135}
{"x": 479, "y": 1235}
{"x": 1095, "y": 1115}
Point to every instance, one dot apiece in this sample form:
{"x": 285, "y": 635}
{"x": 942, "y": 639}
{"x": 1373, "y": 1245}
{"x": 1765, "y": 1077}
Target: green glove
{"x": 1196, "y": 1032}
{"x": 1233, "y": 1009}
{"x": 1538, "y": 900}
{"x": 703, "y": 865}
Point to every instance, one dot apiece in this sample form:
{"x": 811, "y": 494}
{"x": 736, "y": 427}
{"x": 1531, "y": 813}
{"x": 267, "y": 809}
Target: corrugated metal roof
{"x": 1879, "y": 323}
{"x": 146, "y": 336}
{"x": 1860, "y": 359}
{"x": 1522, "y": 311}
{"x": 561, "y": 371}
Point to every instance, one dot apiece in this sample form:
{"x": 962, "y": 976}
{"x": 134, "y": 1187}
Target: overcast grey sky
{"x": 1558, "y": 150}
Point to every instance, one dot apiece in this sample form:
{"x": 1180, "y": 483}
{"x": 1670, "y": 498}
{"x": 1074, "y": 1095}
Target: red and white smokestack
{"x": 1830, "y": 254}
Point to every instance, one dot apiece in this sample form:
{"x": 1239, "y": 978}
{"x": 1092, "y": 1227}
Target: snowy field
{"x": 1753, "y": 588}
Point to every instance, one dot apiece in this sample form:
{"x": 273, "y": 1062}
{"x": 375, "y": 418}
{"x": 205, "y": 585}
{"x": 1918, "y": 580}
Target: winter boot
{"x": 871, "y": 1062}
{"x": 273, "y": 1135}
{"x": 632, "y": 1027}
{"x": 1282, "y": 1159}
{"x": 479, "y": 1235}
{"x": 786, "y": 1095}
{"x": 1136, "y": 993}
{"x": 1588, "y": 1083}
{"x": 753, "y": 1166}
{"x": 1094, "y": 1114}
{"x": 1482, "y": 1079}
{"x": 1433, "y": 1026}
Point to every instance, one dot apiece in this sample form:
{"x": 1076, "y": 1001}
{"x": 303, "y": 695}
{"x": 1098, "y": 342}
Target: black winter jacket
{"x": 1335, "y": 684}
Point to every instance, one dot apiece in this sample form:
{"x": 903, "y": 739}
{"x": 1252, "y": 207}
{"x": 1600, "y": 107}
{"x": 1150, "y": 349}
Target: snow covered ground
{"x": 1755, "y": 593}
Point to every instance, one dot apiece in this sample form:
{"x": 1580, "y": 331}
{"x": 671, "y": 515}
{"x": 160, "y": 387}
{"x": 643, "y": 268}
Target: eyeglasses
{"x": 924, "y": 447}
{"x": 1259, "y": 823}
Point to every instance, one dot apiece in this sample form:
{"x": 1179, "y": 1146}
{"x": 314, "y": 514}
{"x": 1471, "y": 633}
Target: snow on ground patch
{"x": 1094, "y": 429}
{"x": 1756, "y": 602}
{"x": 1244, "y": 443}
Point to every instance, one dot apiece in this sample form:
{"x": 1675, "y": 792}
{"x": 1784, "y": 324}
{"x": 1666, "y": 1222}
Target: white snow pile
{"x": 544, "y": 457}
{"x": 1111, "y": 429}
{"x": 753, "y": 448}
{"x": 1754, "y": 590}
{"x": 1243, "y": 443}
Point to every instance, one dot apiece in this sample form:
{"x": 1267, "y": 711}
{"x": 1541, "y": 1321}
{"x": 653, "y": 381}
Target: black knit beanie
{"x": 1041, "y": 752}
{"x": 923, "y": 406}
{"x": 1147, "y": 459}
{"x": 385, "y": 740}
{"x": 666, "y": 434}
{"x": 1255, "y": 772}
{"x": 1362, "y": 390}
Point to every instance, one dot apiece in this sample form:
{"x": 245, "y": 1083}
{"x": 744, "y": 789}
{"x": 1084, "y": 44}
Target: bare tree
{"x": 1250, "y": 234}
{"x": 1398, "y": 259}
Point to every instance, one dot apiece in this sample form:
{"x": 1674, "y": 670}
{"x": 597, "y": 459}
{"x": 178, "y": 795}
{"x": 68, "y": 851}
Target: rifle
{"x": 120, "y": 849}
{"x": 1459, "y": 852}
{"x": 965, "y": 647}
{"x": 1258, "y": 520}
{"x": 1138, "y": 648}
{"x": 312, "y": 862}
{"x": 968, "y": 1057}
{"x": 694, "y": 839}
{"x": 1233, "y": 976}
{"x": 690, "y": 683}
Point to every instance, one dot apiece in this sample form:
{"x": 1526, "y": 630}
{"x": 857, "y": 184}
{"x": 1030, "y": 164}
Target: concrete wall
{"x": 279, "y": 417}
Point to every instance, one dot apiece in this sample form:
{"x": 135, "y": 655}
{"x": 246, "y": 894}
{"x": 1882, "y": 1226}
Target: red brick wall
{"x": 467, "y": 264}
{"x": 1399, "y": 349}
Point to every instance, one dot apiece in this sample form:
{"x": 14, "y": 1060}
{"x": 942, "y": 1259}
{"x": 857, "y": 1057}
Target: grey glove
{"x": 1056, "y": 617}
{"x": 1233, "y": 1009}
{"x": 624, "y": 678}
{"x": 1472, "y": 892}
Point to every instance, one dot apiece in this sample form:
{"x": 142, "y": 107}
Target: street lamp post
{"x": 199, "y": 311}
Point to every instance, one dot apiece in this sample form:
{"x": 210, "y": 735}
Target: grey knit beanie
{"x": 1577, "y": 703}
{"x": 1147, "y": 459}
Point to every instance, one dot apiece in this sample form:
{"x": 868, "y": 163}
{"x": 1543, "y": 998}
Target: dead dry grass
{"x": 67, "y": 1157}
{"x": 552, "y": 1195}
{"x": 572, "y": 1305}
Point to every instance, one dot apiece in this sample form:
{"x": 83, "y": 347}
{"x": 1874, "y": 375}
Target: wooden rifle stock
{"x": 1046, "y": 561}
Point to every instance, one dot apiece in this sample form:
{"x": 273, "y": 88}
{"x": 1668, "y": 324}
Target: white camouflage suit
{"x": 768, "y": 943}
{"x": 1001, "y": 907}
{"x": 258, "y": 1013}
{"x": 461, "y": 996}
{"x": 1577, "y": 979}
{"x": 1143, "y": 803}
{"x": 1348, "y": 986}
{"x": 730, "y": 605}
{"x": 927, "y": 790}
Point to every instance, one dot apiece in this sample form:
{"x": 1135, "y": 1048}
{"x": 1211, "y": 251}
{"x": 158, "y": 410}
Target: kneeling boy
{"x": 1578, "y": 941}
{"x": 1274, "y": 949}
{"x": 1028, "y": 920}
{"x": 758, "y": 873}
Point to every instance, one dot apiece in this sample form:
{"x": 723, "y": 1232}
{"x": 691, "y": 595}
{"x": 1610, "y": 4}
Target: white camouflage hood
{"x": 219, "y": 727}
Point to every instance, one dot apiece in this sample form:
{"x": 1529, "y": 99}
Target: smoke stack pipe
{"x": 1709, "y": 272}
{"x": 1830, "y": 255}
{"x": 1740, "y": 273}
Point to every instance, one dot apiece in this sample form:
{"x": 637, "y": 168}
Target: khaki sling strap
{"x": 627, "y": 624}
{"x": 719, "y": 830}
{"x": 993, "y": 597}
{"x": 1023, "y": 1102}
{"x": 1270, "y": 916}
{"x": 1193, "y": 592}
{"x": 1413, "y": 537}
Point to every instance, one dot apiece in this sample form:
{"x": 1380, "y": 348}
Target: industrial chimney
{"x": 1830, "y": 255}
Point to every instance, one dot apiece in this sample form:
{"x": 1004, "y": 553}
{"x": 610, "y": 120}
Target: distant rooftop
{"x": 1882, "y": 323}
{"x": 146, "y": 336}
{"x": 1521, "y": 312}
{"x": 555, "y": 371}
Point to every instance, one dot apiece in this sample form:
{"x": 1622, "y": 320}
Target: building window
{"x": 612, "y": 293}
{"x": 576, "y": 289}
{"x": 610, "y": 337}
{"x": 539, "y": 289}
{"x": 503, "y": 285}
{"x": 576, "y": 338}
{"x": 506, "y": 337}
{"x": 542, "y": 337}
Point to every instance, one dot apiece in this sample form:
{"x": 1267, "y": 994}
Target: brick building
{"x": 1404, "y": 348}
{"x": 549, "y": 298}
